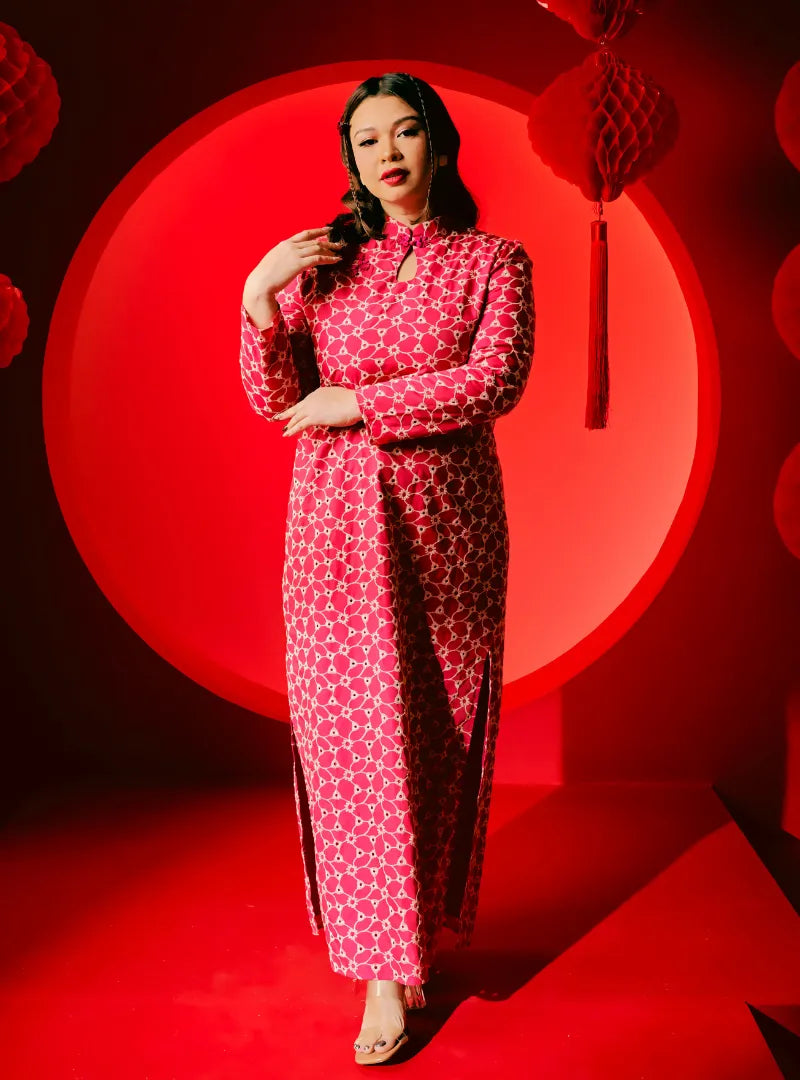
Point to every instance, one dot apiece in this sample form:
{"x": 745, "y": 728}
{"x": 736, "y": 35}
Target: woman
{"x": 390, "y": 341}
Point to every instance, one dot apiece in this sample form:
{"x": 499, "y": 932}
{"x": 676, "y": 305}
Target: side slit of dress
{"x": 474, "y": 778}
{"x": 306, "y": 836}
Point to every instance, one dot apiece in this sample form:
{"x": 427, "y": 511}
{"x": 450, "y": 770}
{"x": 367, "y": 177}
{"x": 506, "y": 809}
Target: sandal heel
{"x": 415, "y": 997}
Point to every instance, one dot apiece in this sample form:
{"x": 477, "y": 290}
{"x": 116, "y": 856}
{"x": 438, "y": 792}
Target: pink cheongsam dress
{"x": 395, "y": 578}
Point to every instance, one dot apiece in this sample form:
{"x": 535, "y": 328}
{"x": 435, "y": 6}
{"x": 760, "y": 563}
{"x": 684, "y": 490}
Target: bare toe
{"x": 366, "y": 1040}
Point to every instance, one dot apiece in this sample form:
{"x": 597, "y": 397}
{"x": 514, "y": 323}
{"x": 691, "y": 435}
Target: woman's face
{"x": 386, "y": 133}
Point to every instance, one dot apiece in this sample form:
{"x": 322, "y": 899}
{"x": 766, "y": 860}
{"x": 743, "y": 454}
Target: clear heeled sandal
{"x": 412, "y": 997}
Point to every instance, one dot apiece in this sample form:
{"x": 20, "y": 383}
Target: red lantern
{"x": 597, "y": 20}
{"x": 601, "y": 126}
{"x": 29, "y": 103}
{"x": 13, "y": 321}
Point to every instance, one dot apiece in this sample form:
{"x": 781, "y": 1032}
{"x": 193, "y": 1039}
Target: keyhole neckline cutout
{"x": 412, "y": 252}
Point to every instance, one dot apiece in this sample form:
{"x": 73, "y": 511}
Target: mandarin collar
{"x": 420, "y": 235}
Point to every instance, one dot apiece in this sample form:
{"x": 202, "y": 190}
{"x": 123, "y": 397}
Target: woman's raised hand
{"x": 335, "y": 406}
{"x": 282, "y": 263}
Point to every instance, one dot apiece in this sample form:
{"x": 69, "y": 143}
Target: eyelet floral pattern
{"x": 395, "y": 577}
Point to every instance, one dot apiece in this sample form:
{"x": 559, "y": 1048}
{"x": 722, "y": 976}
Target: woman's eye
{"x": 405, "y": 131}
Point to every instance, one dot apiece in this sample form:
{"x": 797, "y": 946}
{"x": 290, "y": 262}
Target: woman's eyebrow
{"x": 400, "y": 121}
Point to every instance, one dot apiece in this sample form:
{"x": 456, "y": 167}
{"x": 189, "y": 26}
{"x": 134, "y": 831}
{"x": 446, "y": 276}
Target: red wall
{"x": 699, "y": 687}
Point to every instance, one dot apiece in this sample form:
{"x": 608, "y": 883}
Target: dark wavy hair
{"x": 448, "y": 195}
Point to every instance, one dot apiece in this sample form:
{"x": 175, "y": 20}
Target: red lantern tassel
{"x": 597, "y": 396}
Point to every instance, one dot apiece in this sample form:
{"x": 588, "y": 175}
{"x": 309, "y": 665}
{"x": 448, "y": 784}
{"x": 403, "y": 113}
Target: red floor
{"x": 624, "y": 931}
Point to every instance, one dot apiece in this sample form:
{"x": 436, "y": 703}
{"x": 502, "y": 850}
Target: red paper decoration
{"x": 29, "y": 103}
{"x": 787, "y": 115}
{"x": 601, "y": 126}
{"x": 786, "y": 301}
{"x": 13, "y": 321}
{"x": 786, "y": 502}
{"x": 597, "y": 20}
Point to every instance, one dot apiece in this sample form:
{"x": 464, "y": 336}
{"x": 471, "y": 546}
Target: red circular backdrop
{"x": 175, "y": 491}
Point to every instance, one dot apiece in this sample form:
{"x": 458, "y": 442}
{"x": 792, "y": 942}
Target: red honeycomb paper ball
{"x": 787, "y": 115}
{"x": 602, "y": 125}
{"x": 786, "y": 502}
{"x": 14, "y": 321}
{"x": 29, "y": 103}
{"x": 786, "y": 301}
{"x": 597, "y": 19}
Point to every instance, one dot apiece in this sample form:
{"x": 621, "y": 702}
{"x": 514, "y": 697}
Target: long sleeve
{"x": 487, "y": 385}
{"x": 278, "y": 364}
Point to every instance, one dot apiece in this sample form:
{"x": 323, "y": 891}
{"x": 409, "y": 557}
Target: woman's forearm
{"x": 262, "y": 307}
